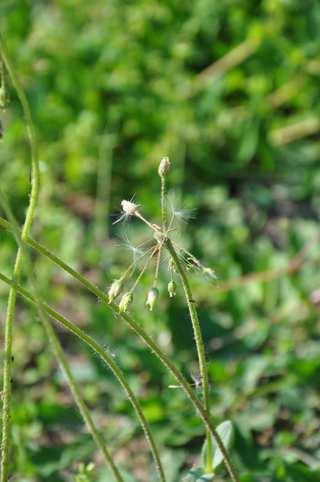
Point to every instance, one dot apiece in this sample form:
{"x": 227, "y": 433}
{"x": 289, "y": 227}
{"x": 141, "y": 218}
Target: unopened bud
{"x": 164, "y": 166}
{"x": 114, "y": 289}
{"x": 151, "y": 298}
{"x": 125, "y": 301}
{"x": 172, "y": 288}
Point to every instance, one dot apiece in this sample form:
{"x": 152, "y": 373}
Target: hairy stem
{"x": 105, "y": 357}
{"x": 35, "y": 183}
{"x": 163, "y": 203}
{"x": 59, "y": 353}
{"x": 138, "y": 329}
{"x": 74, "y": 388}
{"x": 199, "y": 345}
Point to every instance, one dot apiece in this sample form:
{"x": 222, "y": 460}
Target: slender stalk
{"x": 74, "y": 388}
{"x": 59, "y": 353}
{"x": 138, "y": 329}
{"x": 105, "y": 357}
{"x": 199, "y": 344}
{"x": 135, "y": 284}
{"x": 163, "y": 203}
{"x": 35, "y": 183}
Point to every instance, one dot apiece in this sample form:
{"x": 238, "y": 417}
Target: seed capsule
{"x": 172, "y": 288}
{"x": 125, "y": 301}
{"x": 152, "y": 297}
{"x": 114, "y": 289}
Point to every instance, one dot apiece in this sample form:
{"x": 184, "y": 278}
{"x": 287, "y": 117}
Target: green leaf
{"x": 197, "y": 475}
{"x": 225, "y": 430}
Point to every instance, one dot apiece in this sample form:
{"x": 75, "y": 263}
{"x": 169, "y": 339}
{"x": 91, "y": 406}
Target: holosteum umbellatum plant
{"x": 180, "y": 262}
{"x": 217, "y": 439}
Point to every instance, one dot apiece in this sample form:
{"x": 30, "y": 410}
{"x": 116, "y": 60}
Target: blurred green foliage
{"x": 230, "y": 91}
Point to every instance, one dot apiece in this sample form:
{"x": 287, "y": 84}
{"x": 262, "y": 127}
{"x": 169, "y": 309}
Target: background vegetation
{"x": 230, "y": 91}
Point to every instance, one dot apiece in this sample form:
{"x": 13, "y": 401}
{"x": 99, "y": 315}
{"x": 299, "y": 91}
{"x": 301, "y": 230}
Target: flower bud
{"x": 152, "y": 297}
{"x": 164, "y": 166}
{"x": 125, "y": 301}
{"x": 114, "y": 289}
{"x": 172, "y": 288}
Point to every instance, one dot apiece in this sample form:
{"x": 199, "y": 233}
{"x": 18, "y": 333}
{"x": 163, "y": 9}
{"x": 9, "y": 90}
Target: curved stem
{"x": 138, "y": 329}
{"x": 74, "y": 388}
{"x": 199, "y": 344}
{"x": 59, "y": 353}
{"x": 35, "y": 183}
{"x": 105, "y": 357}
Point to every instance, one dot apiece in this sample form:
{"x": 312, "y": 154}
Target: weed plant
{"x": 118, "y": 299}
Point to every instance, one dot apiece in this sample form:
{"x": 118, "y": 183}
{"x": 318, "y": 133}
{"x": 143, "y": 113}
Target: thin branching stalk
{"x": 199, "y": 344}
{"x": 59, "y": 353}
{"x": 163, "y": 169}
{"x": 77, "y": 396}
{"x": 35, "y": 183}
{"x": 163, "y": 203}
{"x": 105, "y": 357}
{"x": 138, "y": 329}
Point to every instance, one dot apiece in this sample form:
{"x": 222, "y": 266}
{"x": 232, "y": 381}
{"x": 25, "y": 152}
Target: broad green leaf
{"x": 225, "y": 430}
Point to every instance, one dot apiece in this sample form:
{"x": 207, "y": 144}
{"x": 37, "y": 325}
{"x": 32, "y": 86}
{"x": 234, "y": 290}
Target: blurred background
{"x": 230, "y": 91}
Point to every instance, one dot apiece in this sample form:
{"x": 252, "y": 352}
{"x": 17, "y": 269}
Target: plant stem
{"x": 83, "y": 409}
{"x": 199, "y": 345}
{"x": 163, "y": 203}
{"x": 35, "y": 183}
{"x": 106, "y": 358}
{"x": 59, "y": 353}
{"x": 138, "y": 329}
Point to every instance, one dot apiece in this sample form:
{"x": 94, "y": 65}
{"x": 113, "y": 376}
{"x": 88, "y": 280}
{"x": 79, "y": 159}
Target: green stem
{"x": 163, "y": 203}
{"x": 138, "y": 329}
{"x": 59, "y": 354}
{"x": 106, "y": 358}
{"x": 35, "y": 183}
{"x": 199, "y": 344}
{"x": 83, "y": 409}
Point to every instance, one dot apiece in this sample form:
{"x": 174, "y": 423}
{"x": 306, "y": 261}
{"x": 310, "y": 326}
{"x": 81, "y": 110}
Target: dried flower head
{"x": 164, "y": 166}
{"x": 125, "y": 301}
{"x": 114, "y": 289}
{"x": 152, "y": 297}
{"x": 129, "y": 208}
